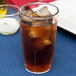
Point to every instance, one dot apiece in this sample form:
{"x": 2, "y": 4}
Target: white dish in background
{"x": 67, "y": 14}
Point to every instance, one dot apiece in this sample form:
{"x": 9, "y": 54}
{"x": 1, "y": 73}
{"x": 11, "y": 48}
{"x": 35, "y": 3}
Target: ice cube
{"x": 34, "y": 15}
{"x": 42, "y": 44}
{"x": 29, "y": 13}
{"x": 33, "y": 33}
{"x": 43, "y": 12}
{"x": 47, "y": 42}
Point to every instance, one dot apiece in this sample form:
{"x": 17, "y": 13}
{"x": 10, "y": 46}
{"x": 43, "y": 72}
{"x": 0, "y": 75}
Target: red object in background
{"x": 21, "y": 2}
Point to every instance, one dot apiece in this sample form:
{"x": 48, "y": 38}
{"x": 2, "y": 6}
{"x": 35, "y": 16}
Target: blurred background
{"x": 67, "y": 12}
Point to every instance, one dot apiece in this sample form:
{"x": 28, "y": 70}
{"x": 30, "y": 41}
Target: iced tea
{"x": 38, "y": 41}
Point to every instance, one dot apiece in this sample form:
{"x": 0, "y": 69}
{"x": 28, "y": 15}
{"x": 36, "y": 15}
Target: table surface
{"x": 64, "y": 60}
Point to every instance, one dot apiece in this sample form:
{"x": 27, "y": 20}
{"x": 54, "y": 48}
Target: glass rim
{"x": 38, "y": 17}
{"x": 12, "y": 6}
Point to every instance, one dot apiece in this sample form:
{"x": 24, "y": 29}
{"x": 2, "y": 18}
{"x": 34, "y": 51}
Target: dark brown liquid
{"x": 38, "y": 46}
